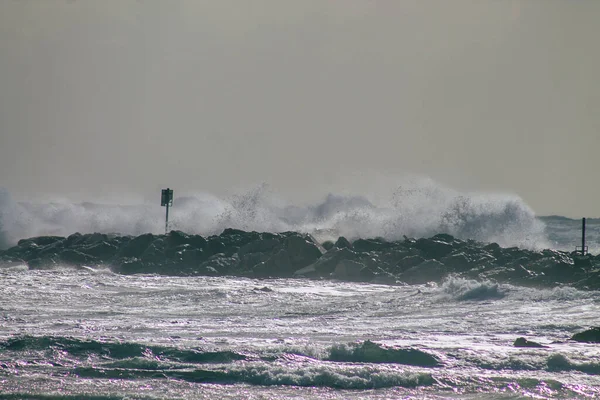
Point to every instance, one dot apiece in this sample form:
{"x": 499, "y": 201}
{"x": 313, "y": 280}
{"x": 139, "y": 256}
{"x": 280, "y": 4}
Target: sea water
{"x": 95, "y": 334}
{"x": 90, "y": 333}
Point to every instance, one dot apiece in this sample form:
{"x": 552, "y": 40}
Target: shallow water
{"x": 87, "y": 332}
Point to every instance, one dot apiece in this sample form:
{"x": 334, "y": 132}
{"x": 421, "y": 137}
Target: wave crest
{"x": 467, "y": 289}
{"x": 417, "y": 208}
{"x": 369, "y": 352}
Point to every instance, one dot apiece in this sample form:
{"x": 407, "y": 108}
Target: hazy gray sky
{"x": 102, "y": 96}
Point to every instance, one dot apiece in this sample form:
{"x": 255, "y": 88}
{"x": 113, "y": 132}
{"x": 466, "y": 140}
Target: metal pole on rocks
{"x": 167, "y": 220}
{"x": 583, "y": 249}
{"x": 166, "y": 200}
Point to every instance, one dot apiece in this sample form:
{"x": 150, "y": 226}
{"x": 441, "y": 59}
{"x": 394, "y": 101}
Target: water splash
{"x": 414, "y": 208}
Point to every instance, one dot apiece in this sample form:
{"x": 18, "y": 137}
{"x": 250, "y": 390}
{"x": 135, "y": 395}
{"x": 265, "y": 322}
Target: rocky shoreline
{"x": 292, "y": 254}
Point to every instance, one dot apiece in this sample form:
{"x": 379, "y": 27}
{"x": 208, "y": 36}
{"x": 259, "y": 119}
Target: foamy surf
{"x": 414, "y": 208}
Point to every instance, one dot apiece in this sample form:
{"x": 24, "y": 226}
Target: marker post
{"x": 584, "y": 249}
{"x": 166, "y": 200}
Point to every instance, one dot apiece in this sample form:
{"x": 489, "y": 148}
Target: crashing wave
{"x": 468, "y": 289}
{"x": 417, "y": 208}
{"x": 369, "y": 352}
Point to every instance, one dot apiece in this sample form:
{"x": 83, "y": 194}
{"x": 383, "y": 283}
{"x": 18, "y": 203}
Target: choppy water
{"x": 84, "y": 333}
{"x": 92, "y": 333}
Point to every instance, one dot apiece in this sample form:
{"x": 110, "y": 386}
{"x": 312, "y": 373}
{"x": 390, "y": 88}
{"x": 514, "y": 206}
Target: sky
{"x": 102, "y": 98}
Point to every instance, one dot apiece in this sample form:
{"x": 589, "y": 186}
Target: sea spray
{"x": 468, "y": 289}
{"x": 415, "y": 209}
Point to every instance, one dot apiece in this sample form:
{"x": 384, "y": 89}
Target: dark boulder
{"x": 41, "y": 240}
{"x": 136, "y": 246}
{"x": 130, "y": 266}
{"x": 269, "y": 235}
{"x": 221, "y": 263}
{"x": 120, "y": 241}
{"x": 51, "y": 249}
{"x": 197, "y": 242}
{"x": 522, "y": 272}
{"x": 90, "y": 239}
{"x": 457, "y": 262}
{"x": 368, "y": 245}
{"x": 26, "y": 250}
{"x": 7, "y": 261}
{"x": 589, "y": 336}
{"x": 175, "y": 253}
{"x": 237, "y": 238}
{"x": 583, "y": 261}
{"x": 430, "y": 270}
{"x": 591, "y": 282}
{"x": 42, "y": 263}
{"x": 407, "y": 263}
{"x": 557, "y": 268}
{"x": 383, "y": 277}
{"x": 233, "y": 232}
{"x": 249, "y": 260}
{"x": 342, "y": 243}
{"x": 390, "y": 258}
{"x": 215, "y": 245}
{"x": 435, "y": 249}
{"x": 192, "y": 256}
{"x": 484, "y": 260}
{"x": 302, "y": 251}
{"x": 493, "y": 247}
{"x": 308, "y": 272}
{"x": 259, "y": 246}
{"x": 511, "y": 255}
{"x": 326, "y": 264}
{"x": 74, "y": 257}
{"x": 353, "y": 271}
{"x": 328, "y": 245}
{"x": 103, "y": 251}
{"x": 155, "y": 252}
{"x": 73, "y": 239}
{"x": 444, "y": 237}
{"x": 565, "y": 273}
{"x": 207, "y": 270}
{"x": 516, "y": 274}
{"x": 176, "y": 239}
{"x": 278, "y": 266}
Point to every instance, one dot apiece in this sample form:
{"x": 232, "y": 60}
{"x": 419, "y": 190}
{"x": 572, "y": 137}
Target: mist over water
{"x": 415, "y": 208}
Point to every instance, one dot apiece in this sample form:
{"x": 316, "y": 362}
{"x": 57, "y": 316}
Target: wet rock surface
{"x": 292, "y": 254}
{"x": 588, "y": 336}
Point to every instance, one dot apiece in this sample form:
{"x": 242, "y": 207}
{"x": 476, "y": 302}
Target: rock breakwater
{"x": 292, "y": 254}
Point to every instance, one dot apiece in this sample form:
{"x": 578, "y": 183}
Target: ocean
{"x": 89, "y": 330}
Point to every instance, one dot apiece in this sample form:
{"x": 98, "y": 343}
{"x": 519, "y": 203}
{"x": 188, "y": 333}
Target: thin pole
{"x": 583, "y": 237}
{"x": 167, "y": 220}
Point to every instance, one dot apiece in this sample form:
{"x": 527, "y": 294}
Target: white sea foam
{"x": 468, "y": 289}
{"x": 414, "y": 208}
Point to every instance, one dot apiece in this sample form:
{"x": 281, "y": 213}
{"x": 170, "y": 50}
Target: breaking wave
{"x": 467, "y": 289}
{"x": 117, "y": 350}
{"x": 354, "y": 366}
{"x": 418, "y": 208}
{"x": 359, "y": 377}
{"x": 127, "y": 360}
{"x": 369, "y": 352}
{"x": 559, "y": 362}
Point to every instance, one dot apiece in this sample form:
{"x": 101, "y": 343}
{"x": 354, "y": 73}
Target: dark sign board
{"x": 166, "y": 197}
